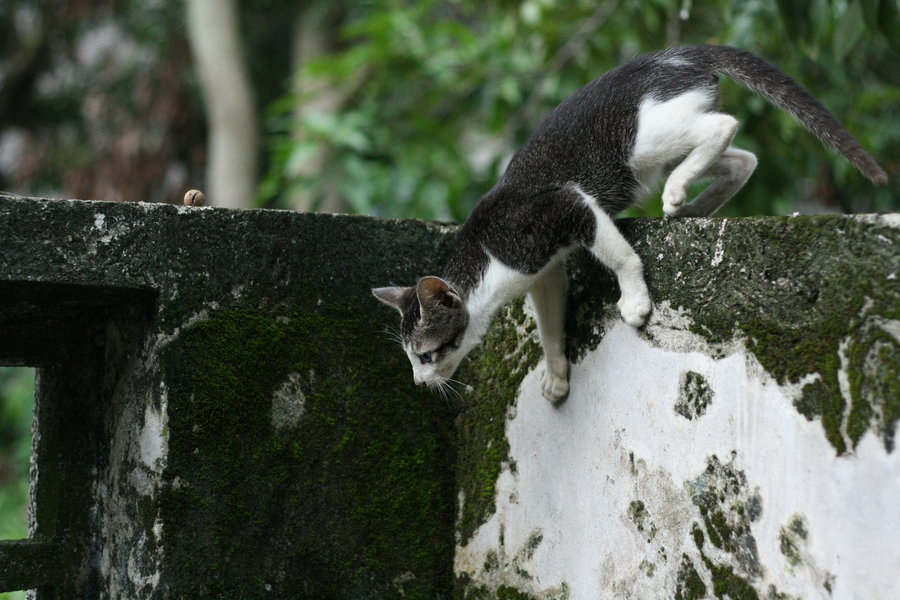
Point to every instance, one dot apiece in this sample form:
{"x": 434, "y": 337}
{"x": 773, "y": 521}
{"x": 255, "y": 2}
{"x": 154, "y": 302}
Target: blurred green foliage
{"x": 437, "y": 95}
{"x": 16, "y": 409}
{"x": 411, "y": 108}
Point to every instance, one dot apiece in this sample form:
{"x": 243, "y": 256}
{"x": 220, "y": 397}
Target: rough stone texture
{"x": 741, "y": 445}
{"x": 221, "y": 414}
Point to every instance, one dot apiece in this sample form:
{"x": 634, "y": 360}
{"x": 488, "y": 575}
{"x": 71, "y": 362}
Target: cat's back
{"x": 588, "y": 138}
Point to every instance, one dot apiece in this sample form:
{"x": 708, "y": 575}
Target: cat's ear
{"x": 394, "y": 296}
{"x": 434, "y": 292}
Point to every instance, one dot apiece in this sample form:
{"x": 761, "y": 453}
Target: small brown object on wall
{"x": 194, "y": 198}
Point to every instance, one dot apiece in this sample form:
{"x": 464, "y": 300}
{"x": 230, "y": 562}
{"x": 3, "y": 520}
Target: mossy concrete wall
{"x": 742, "y": 445}
{"x": 243, "y": 424}
{"x": 222, "y": 414}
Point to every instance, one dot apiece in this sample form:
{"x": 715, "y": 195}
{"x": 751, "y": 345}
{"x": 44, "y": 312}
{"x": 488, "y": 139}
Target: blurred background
{"x": 395, "y": 108}
{"x": 402, "y": 108}
{"x": 16, "y": 408}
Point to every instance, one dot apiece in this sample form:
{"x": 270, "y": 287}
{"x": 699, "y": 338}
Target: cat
{"x": 604, "y": 148}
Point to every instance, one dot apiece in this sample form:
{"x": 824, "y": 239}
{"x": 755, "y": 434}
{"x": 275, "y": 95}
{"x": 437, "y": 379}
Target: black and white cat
{"x": 604, "y": 148}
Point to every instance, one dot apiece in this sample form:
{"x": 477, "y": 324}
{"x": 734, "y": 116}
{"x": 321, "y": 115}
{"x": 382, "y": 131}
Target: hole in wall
{"x": 16, "y": 416}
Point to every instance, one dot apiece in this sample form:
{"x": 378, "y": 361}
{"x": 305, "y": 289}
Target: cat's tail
{"x": 759, "y": 76}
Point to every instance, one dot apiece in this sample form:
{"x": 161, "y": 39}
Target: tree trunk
{"x": 233, "y": 134}
{"x": 315, "y": 31}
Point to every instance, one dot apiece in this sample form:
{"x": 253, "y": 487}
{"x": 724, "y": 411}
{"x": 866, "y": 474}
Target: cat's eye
{"x": 425, "y": 358}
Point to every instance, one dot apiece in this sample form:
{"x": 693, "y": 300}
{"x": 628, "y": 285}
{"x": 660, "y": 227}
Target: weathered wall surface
{"x": 741, "y": 446}
{"x": 251, "y": 433}
{"x": 221, "y": 414}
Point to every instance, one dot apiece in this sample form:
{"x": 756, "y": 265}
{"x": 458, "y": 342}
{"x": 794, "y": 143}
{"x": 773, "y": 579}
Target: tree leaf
{"x": 848, "y": 31}
{"x": 889, "y": 21}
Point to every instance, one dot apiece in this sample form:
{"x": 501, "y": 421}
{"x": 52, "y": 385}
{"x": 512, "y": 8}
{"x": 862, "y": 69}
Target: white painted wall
{"x": 617, "y": 440}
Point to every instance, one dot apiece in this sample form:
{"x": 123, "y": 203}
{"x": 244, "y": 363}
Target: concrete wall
{"x": 221, "y": 414}
{"x": 741, "y": 446}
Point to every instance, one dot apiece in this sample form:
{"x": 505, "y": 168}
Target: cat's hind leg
{"x": 713, "y": 133}
{"x": 548, "y": 294}
{"x": 729, "y": 173}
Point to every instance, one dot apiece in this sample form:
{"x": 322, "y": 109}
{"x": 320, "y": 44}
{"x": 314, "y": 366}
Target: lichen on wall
{"x": 694, "y": 395}
{"x": 343, "y": 494}
{"x": 255, "y": 433}
{"x": 706, "y": 455}
{"x": 652, "y": 505}
{"x": 509, "y": 351}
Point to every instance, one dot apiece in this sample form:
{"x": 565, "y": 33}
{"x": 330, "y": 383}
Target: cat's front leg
{"x": 548, "y": 294}
{"x": 614, "y": 251}
{"x": 634, "y": 304}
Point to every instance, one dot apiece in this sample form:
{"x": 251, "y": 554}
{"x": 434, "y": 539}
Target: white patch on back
{"x": 675, "y": 61}
{"x": 667, "y": 132}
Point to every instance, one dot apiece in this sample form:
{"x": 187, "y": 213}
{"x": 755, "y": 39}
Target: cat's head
{"x": 433, "y": 320}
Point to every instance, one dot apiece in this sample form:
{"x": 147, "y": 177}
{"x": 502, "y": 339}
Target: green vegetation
{"x": 792, "y": 538}
{"x": 16, "y": 408}
{"x": 410, "y": 108}
{"x": 434, "y": 96}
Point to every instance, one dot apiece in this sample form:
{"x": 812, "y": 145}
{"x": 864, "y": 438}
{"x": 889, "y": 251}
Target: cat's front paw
{"x": 635, "y": 308}
{"x": 555, "y": 383}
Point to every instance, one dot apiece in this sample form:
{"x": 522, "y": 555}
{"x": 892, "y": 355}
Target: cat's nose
{"x": 419, "y": 381}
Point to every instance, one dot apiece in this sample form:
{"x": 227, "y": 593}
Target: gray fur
{"x": 577, "y": 170}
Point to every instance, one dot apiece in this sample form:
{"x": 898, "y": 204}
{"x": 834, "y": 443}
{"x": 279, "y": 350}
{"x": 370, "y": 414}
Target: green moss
{"x": 697, "y": 534}
{"x": 495, "y": 373}
{"x": 491, "y": 562}
{"x": 531, "y": 544}
{"x": 505, "y": 592}
{"x": 689, "y": 585}
{"x": 637, "y": 512}
{"x": 872, "y": 359}
{"x": 818, "y": 399}
{"x": 342, "y": 505}
{"x": 728, "y": 584}
{"x": 647, "y": 567}
{"x": 791, "y": 538}
{"x": 728, "y": 508}
{"x": 772, "y": 593}
{"x": 465, "y": 590}
{"x": 794, "y": 312}
{"x": 694, "y": 395}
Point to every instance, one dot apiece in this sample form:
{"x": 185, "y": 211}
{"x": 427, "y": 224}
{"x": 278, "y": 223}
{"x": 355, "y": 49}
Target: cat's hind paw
{"x": 674, "y": 197}
{"x": 554, "y": 386}
{"x": 635, "y": 309}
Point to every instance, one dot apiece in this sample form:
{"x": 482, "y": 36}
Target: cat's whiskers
{"x": 446, "y": 389}
{"x": 457, "y": 382}
{"x": 440, "y": 386}
{"x": 394, "y": 334}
